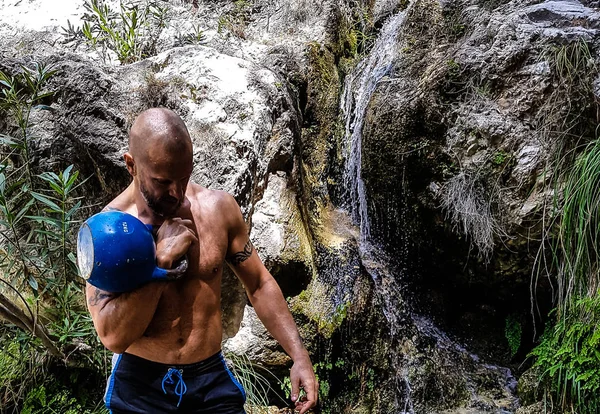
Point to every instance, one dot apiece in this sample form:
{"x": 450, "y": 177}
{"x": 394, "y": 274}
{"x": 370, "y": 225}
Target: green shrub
{"x": 132, "y": 33}
{"x": 55, "y": 399}
{"x": 513, "y": 331}
{"x": 569, "y": 357}
{"x": 41, "y": 296}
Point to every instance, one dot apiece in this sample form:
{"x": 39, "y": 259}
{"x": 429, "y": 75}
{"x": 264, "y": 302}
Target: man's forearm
{"x": 122, "y": 319}
{"x": 272, "y": 309}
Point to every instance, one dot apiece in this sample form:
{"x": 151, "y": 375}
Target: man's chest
{"x": 207, "y": 257}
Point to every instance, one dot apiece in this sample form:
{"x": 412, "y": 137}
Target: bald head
{"x": 160, "y": 160}
{"x": 160, "y": 131}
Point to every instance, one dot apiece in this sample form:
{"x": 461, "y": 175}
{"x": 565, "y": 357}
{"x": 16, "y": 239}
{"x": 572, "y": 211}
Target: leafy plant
{"x": 18, "y": 361}
{"x": 569, "y": 356}
{"x": 25, "y": 255}
{"x": 132, "y": 33}
{"x": 513, "y": 332}
{"x": 500, "y": 157}
{"x": 194, "y": 37}
{"x": 40, "y": 294}
{"x": 236, "y": 20}
{"x": 55, "y": 399}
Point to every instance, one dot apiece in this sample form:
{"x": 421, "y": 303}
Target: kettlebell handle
{"x": 172, "y": 274}
{"x": 169, "y": 274}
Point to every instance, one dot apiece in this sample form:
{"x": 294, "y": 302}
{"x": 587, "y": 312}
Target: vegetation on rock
{"x": 40, "y": 293}
{"x": 131, "y": 33}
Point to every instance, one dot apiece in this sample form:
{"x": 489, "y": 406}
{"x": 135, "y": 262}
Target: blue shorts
{"x": 137, "y": 385}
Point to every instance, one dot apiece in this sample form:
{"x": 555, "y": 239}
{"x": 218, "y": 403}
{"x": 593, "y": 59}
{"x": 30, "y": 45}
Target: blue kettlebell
{"x": 116, "y": 253}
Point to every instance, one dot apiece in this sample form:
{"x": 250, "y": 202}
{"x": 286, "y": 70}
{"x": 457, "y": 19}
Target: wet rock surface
{"x": 458, "y": 146}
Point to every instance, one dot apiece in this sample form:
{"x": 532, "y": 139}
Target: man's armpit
{"x": 239, "y": 257}
{"x": 99, "y": 296}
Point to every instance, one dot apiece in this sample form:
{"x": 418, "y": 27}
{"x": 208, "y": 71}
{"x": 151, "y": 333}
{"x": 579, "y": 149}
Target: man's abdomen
{"x": 186, "y": 327}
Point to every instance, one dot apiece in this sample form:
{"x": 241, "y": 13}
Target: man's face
{"x": 163, "y": 205}
{"x": 163, "y": 184}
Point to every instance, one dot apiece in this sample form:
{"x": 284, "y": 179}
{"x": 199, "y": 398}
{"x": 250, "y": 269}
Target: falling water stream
{"x": 358, "y": 89}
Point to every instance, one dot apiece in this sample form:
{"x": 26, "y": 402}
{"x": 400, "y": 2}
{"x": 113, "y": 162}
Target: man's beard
{"x": 165, "y": 206}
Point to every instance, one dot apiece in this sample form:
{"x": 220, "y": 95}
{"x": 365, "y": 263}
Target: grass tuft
{"x": 466, "y": 204}
{"x": 578, "y": 243}
{"x": 257, "y": 386}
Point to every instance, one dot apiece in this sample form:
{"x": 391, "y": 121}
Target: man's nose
{"x": 176, "y": 190}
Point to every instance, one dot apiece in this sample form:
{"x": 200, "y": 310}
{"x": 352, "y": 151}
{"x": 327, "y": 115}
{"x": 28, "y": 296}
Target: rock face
{"x": 240, "y": 115}
{"x": 254, "y": 342}
{"x": 460, "y": 141}
{"x": 280, "y": 238}
{"x": 391, "y": 158}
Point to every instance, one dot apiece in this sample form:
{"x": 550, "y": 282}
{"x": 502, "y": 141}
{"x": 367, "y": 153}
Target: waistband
{"x": 159, "y": 368}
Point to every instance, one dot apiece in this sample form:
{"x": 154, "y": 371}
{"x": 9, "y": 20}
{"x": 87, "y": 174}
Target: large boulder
{"x": 241, "y": 118}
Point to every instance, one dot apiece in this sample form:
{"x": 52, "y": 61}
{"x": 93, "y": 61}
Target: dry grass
{"x": 466, "y": 204}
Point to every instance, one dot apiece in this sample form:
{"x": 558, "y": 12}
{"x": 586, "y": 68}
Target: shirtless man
{"x": 167, "y": 335}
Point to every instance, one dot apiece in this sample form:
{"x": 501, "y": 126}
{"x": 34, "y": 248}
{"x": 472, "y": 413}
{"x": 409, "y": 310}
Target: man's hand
{"x": 173, "y": 241}
{"x": 302, "y": 375}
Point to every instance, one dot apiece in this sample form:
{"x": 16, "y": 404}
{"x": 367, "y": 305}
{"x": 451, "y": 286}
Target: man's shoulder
{"x": 212, "y": 198}
{"x": 122, "y": 202}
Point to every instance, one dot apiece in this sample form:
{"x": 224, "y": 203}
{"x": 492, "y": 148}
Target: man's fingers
{"x": 311, "y": 397}
{"x": 194, "y": 239}
{"x": 179, "y": 220}
{"x": 295, "y": 388}
{"x": 186, "y": 222}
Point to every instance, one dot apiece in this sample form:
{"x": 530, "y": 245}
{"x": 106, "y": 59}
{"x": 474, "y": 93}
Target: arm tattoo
{"x": 99, "y": 296}
{"x": 239, "y": 257}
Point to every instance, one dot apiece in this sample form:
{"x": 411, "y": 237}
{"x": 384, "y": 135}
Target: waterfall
{"x": 358, "y": 89}
{"x": 387, "y": 273}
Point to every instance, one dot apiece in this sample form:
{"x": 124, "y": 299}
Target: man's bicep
{"x": 239, "y": 246}
{"x": 238, "y": 255}
{"x": 248, "y": 267}
{"x": 97, "y": 298}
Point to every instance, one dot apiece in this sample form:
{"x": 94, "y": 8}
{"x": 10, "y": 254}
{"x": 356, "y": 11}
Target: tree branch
{"x": 15, "y": 313}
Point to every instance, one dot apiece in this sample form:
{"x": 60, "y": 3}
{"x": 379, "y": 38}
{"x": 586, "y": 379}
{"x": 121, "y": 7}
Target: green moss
{"x": 315, "y": 303}
{"x": 500, "y": 157}
{"x": 513, "y": 331}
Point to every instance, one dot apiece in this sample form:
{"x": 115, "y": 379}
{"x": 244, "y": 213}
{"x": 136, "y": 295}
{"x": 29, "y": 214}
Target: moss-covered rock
{"x": 528, "y": 387}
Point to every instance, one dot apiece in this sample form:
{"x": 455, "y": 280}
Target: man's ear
{"x": 130, "y": 163}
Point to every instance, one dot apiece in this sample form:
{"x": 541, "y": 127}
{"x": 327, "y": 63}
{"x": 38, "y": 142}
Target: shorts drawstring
{"x": 180, "y": 387}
